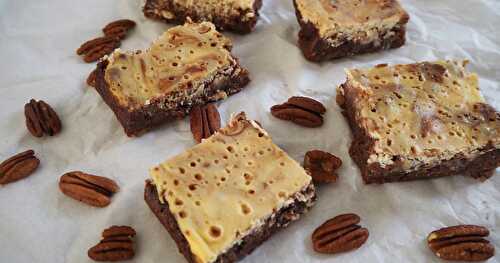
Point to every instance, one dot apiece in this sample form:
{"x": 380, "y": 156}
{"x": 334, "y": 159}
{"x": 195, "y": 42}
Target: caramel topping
{"x": 341, "y": 18}
{"x": 228, "y": 184}
{"x": 423, "y": 113}
{"x": 179, "y": 61}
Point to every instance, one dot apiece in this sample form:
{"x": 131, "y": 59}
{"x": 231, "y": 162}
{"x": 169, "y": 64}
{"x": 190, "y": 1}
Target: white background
{"x": 38, "y": 223}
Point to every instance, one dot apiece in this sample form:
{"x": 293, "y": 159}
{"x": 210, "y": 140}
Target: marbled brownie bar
{"x": 186, "y": 66}
{"x": 419, "y": 121}
{"x": 225, "y": 196}
{"x": 332, "y": 29}
{"x": 235, "y": 15}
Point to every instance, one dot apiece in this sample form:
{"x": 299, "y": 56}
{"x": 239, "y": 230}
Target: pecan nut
{"x": 96, "y": 48}
{"x": 461, "y": 243}
{"x": 91, "y": 189}
{"x": 18, "y": 167}
{"x": 87, "y": 46}
{"x": 300, "y": 110}
{"x": 322, "y": 166}
{"x": 41, "y": 119}
{"x": 205, "y": 121}
{"x": 117, "y": 244}
{"x": 100, "y": 51}
{"x": 118, "y": 28}
{"x": 339, "y": 234}
{"x": 92, "y": 78}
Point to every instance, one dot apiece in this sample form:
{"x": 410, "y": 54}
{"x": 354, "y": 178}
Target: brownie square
{"x": 188, "y": 65}
{"x": 419, "y": 121}
{"x": 225, "y": 196}
{"x": 331, "y": 29}
{"x": 239, "y": 16}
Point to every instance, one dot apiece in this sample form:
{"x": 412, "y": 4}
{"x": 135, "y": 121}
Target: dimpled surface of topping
{"x": 223, "y": 187}
{"x": 337, "y": 17}
{"x": 178, "y": 63}
{"x": 423, "y": 112}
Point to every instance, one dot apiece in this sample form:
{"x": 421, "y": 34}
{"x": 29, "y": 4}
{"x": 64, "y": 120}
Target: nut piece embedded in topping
{"x": 461, "y": 243}
{"x": 303, "y": 111}
{"x": 322, "y": 166}
{"x": 339, "y": 234}
{"x": 18, "y": 167}
{"x": 90, "y": 189}
{"x": 205, "y": 121}
{"x": 41, "y": 119}
{"x": 117, "y": 244}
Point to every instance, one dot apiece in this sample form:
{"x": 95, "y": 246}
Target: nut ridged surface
{"x": 303, "y": 111}
{"x": 18, "y": 167}
{"x": 461, "y": 243}
{"x": 117, "y": 244}
{"x": 90, "y": 189}
{"x": 339, "y": 234}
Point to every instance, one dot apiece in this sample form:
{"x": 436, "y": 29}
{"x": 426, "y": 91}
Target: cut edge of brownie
{"x": 317, "y": 49}
{"x": 137, "y": 121}
{"x": 481, "y": 167}
{"x": 152, "y": 8}
{"x": 301, "y": 203}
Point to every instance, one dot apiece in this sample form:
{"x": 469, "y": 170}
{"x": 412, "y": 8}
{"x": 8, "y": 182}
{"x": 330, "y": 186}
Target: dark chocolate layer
{"x": 280, "y": 219}
{"x": 316, "y": 49}
{"x": 153, "y": 9}
{"x": 480, "y": 167}
{"x": 137, "y": 120}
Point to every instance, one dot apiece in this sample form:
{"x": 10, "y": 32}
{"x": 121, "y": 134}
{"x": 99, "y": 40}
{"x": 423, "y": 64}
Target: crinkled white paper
{"x": 38, "y": 223}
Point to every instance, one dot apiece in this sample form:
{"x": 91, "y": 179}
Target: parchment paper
{"x": 38, "y": 223}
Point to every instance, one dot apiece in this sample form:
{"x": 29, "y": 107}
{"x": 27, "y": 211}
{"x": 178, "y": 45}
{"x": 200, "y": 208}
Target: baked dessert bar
{"x": 239, "y": 16}
{"x": 419, "y": 121}
{"x": 186, "y": 66}
{"x": 225, "y": 196}
{"x": 332, "y": 29}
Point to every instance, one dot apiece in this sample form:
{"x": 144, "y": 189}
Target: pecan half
{"x": 100, "y": 51}
{"x": 339, "y": 234}
{"x": 300, "y": 110}
{"x": 91, "y": 189}
{"x": 118, "y": 28}
{"x": 18, "y": 167}
{"x": 205, "y": 121}
{"x": 41, "y": 119}
{"x": 87, "y": 46}
{"x": 461, "y": 243}
{"x": 322, "y": 166}
{"x": 92, "y": 78}
{"x": 117, "y": 244}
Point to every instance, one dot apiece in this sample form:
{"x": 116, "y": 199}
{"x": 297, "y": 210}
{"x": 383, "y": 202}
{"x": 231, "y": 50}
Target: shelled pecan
{"x": 339, "y": 234}
{"x": 205, "y": 121}
{"x": 18, "y": 167}
{"x": 322, "y": 166}
{"x": 461, "y": 243}
{"x": 118, "y": 28}
{"x": 300, "y": 110}
{"x": 90, "y": 189}
{"x": 41, "y": 119}
{"x": 117, "y": 244}
{"x": 114, "y": 32}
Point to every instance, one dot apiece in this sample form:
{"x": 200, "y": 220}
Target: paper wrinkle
{"x": 39, "y": 224}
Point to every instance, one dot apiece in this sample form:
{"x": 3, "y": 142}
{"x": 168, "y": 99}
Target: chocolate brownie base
{"x": 481, "y": 167}
{"x": 317, "y": 49}
{"x": 273, "y": 224}
{"x": 136, "y": 121}
{"x": 153, "y": 9}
